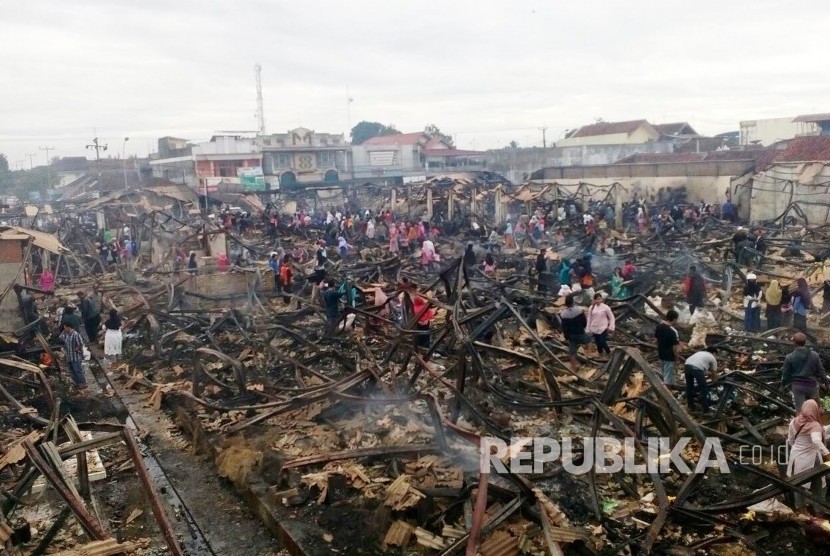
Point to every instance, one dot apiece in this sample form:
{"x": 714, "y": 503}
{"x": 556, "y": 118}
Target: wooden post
{"x": 618, "y": 206}
{"x": 429, "y": 203}
{"x": 499, "y": 209}
{"x": 450, "y": 204}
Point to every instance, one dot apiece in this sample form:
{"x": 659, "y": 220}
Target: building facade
{"x": 611, "y": 133}
{"x": 303, "y": 156}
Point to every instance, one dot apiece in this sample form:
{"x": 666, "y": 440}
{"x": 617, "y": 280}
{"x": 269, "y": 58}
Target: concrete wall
{"x": 518, "y": 164}
{"x": 407, "y": 161}
{"x": 772, "y": 191}
{"x": 700, "y": 181}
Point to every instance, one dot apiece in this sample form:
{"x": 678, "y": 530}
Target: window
{"x": 325, "y": 159}
{"x": 280, "y": 160}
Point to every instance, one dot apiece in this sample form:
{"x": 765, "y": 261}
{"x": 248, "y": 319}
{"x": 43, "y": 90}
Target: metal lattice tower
{"x": 260, "y": 110}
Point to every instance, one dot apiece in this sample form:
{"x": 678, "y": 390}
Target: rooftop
{"x": 676, "y": 128}
{"x": 813, "y": 118}
{"x": 805, "y": 149}
{"x": 608, "y": 128}
{"x": 398, "y": 139}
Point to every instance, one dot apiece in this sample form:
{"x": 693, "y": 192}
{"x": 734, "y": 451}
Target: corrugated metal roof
{"x": 812, "y": 118}
{"x": 41, "y": 239}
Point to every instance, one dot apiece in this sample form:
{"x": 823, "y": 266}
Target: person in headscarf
{"x": 565, "y": 272}
{"x": 489, "y": 266}
{"x": 752, "y": 304}
{"x": 428, "y": 254}
{"x": 424, "y": 314}
{"x": 393, "y": 240}
{"x": 806, "y": 438}
{"x": 370, "y": 229}
{"x": 802, "y": 304}
{"x": 773, "y": 298}
{"x": 642, "y": 220}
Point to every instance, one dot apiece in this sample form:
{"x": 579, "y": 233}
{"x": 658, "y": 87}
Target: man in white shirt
{"x": 696, "y": 367}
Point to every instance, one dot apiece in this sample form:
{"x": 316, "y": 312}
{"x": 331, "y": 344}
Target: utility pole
{"x": 544, "y": 137}
{"x": 98, "y": 148}
{"x": 48, "y": 165}
{"x": 31, "y": 161}
{"x": 124, "y": 160}
{"x": 260, "y": 109}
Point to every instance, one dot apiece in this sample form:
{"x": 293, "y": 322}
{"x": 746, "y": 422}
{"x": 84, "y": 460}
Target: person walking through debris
{"x": 601, "y": 322}
{"x": 807, "y": 439}
{"x": 112, "y": 335}
{"x": 752, "y": 304}
{"x": 695, "y": 289}
{"x": 469, "y": 262}
{"x": 696, "y": 367}
{"x": 574, "y": 323}
{"x": 739, "y": 241}
{"x": 802, "y": 304}
{"x": 803, "y": 371}
{"x": 91, "y": 313}
{"x": 286, "y": 275}
{"x": 668, "y": 347}
{"x": 331, "y": 303}
{"x": 424, "y": 314}
{"x": 74, "y": 350}
{"x": 192, "y": 265}
{"x": 428, "y": 254}
{"x": 274, "y": 266}
{"x": 759, "y": 247}
{"x": 393, "y": 240}
{"x": 773, "y": 296}
{"x": 541, "y": 268}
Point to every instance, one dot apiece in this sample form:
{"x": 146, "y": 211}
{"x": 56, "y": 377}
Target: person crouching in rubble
{"x": 424, "y": 315}
{"x": 803, "y": 372}
{"x": 752, "y": 304}
{"x": 74, "y": 350}
{"x": 601, "y": 322}
{"x": 807, "y": 439}
{"x": 574, "y": 323}
{"x": 695, "y": 289}
{"x": 695, "y": 369}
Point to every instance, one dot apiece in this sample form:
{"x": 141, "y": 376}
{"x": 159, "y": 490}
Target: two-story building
{"x": 406, "y": 156}
{"x": 303, "y": 156}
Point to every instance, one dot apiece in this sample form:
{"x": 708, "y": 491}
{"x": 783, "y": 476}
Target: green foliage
{"x": 435, "y": 132}
{"x": 19, "y": 183}
{"x": 364, "y": 131}
{"x": 4, "y": 164}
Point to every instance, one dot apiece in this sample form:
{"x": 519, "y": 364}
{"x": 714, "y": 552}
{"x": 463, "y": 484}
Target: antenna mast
{"x": 260, "y": 111}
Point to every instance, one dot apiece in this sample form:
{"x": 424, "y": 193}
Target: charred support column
{"x": 474, "y": 201}
{"x": 429, "y": 203}
{"x": 499, "y": 206}
{"x": 394, "y": 201}
{"x": 450, "y": 204}
{"x": 618, "y": 210}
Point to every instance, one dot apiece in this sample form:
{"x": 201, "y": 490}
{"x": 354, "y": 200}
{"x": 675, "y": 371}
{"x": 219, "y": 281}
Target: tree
{"x": 513, "y": 144}
{"x": 433, "y": 131}
{"x": 4, "y": 164}
{"x": 364, "y": 131}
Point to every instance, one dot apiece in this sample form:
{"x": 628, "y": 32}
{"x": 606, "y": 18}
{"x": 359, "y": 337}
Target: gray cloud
{"x": 487, "y": 71}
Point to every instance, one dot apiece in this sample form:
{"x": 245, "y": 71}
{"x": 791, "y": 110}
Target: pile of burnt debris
{"x": 393, "y": 402}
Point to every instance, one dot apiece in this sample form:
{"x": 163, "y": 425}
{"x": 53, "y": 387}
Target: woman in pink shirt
{"x": 600, "y": 323}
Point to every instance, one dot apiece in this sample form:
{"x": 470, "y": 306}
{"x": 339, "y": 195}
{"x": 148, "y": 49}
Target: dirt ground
{"x": 222, "y": 517}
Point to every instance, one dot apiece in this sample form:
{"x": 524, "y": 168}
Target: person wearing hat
{"x": 739, "y": 241}
{"x": 752, "y": 304}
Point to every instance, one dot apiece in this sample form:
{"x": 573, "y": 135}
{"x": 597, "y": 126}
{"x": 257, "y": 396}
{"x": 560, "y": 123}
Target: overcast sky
{"x": 486, "y": 72}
